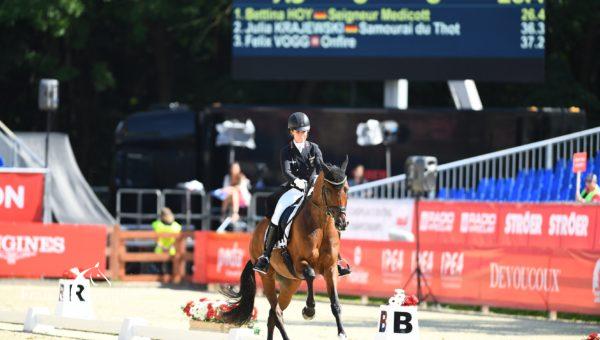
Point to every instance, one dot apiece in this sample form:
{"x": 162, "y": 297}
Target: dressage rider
{"x": 301, "y": 164}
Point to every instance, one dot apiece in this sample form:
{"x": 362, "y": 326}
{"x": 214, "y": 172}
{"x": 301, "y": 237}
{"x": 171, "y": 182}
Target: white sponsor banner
{"x": 380, "y": 219}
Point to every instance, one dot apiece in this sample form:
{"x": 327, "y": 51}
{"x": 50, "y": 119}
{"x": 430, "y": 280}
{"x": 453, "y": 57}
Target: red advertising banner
{"x": 480, "y": 224}
{"x": 21, "y": 196}
{"x": 542, "y": 279}
{"x": 220, "y": 257}
{"x": 38, "y": 250}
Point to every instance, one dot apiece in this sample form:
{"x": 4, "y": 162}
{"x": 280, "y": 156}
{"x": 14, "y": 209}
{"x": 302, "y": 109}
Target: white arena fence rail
{"x": 466, "y": 173}
{"x": 39, "y": 320}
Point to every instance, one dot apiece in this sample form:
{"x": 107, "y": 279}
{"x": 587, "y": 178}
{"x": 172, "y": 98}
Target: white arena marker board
{"x": 74, "y": 299}
{"x": 397, "y": 322}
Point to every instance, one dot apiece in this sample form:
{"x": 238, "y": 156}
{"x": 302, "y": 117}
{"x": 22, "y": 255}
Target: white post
{"x": 395, "y": 94}
{"x": 578, "y": 185}
{"x": 388, "y": 161}
{"x": 127, "y": 328}
{"x": 31, "y": 320}
{"x": 364, "y": 300}
{"x": 465, "y": 95}
{"x": 549, "y": 157}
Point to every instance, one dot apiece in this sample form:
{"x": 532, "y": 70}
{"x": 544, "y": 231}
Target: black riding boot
{"x": 262, "y": 263}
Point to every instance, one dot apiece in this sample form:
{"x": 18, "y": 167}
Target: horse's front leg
{"x": 331, "y": 277}
{"x": 308, "y": 312}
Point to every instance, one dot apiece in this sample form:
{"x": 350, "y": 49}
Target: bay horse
{"x": 313, "y": 247}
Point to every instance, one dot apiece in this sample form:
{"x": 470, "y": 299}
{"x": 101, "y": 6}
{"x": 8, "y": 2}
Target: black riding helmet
{"x": 298, "y": 121}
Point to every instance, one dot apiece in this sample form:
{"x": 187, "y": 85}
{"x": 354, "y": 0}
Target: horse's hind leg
{"x": 287, "y": 289}
{"x": 268, "y": 281}
{"x": 308, "y": 312}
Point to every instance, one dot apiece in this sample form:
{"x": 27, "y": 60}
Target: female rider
{"x": 301, "y": 164}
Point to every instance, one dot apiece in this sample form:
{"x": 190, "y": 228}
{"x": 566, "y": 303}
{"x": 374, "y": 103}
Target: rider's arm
{"x": 286, "y": 166}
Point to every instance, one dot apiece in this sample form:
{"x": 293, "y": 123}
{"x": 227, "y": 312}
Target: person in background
{"x": 591, "y": 192}
{"x": 358, "y": 176}
{"x": 166, "y": 225}
{"x": 235, "y": 192}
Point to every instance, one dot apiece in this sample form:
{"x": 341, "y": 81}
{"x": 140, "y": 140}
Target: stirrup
{"x": 262, "y": 265}
{"x": 341, "y": 270}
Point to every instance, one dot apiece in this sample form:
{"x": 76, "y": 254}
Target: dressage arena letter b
{"x": 383, "y": 322}
{"x": 404, "y": 319}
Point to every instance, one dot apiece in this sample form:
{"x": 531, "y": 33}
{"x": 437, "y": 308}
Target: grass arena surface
{"x": 161, "y": 307}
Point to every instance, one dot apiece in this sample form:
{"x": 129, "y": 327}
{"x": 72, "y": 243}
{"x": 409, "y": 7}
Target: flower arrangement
{"x": 401, "y": 299}
{"x": 593, "y": 336}
{"x": 211, "y": 311}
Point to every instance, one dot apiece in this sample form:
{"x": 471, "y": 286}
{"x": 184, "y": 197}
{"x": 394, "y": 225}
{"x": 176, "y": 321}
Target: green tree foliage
{"x": 116, "y": 57}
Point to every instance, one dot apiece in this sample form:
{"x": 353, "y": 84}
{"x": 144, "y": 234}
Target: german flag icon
{"x": 351, "y": 29}
{"x": 320, "y": 15}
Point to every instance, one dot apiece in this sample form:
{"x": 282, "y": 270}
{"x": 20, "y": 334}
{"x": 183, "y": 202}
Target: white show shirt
{"x": 299, "y": 146}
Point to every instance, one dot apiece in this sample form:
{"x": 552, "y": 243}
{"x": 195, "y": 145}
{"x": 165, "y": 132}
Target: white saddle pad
{"x": 283, "y": 242}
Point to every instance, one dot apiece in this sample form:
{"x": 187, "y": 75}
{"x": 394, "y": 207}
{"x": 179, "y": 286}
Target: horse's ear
{"x": 345, "y": 164}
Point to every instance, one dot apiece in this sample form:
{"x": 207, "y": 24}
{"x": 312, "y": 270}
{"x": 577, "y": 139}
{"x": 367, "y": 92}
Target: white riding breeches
{"x": 288, "y": 198}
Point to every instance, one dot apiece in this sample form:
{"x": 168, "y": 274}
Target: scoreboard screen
{"x": 486, "y": 40}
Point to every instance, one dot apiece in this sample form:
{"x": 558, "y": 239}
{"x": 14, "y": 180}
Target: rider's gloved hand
{"x": 300, "y": 183}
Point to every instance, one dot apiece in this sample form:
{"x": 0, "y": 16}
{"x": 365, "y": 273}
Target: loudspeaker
{"x": 421, "y": 173}
{"x": 48, "y": 95}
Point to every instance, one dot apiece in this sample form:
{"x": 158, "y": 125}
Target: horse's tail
{"x": 243, "y": 301}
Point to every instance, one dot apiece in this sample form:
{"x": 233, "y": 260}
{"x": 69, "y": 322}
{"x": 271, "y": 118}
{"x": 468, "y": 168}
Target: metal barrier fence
{"x": 140, "y": 215}
{"x": 466, "y": 173}
{"x": 253, "y": 216}
{"x": 145, "y": 206}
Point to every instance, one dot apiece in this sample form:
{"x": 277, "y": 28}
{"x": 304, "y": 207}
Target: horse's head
{"x": 334, "y": 192}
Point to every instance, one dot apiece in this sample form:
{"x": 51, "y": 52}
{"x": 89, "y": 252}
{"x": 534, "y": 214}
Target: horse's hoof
{"x": 308, "y": 313}
{"x": 342, "y": 336}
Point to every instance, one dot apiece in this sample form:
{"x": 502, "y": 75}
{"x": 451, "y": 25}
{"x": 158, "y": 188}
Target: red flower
{"x": 410, "y": 300}
{"x": 593, "y": 336}
{"x": 187, "y": 308}
{"x": 211, "y": 312}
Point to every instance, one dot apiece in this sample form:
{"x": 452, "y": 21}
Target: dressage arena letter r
{"x": 382, "y": 322}
{"x": 78, "y": 293}
{"x": 402, "y": 318}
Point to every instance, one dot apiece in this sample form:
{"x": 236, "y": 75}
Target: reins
{"x": 330, "y": 209}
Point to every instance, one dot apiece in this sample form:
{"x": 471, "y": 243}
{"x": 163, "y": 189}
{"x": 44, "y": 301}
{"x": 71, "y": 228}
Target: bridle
{"x": 331, "y": 210}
